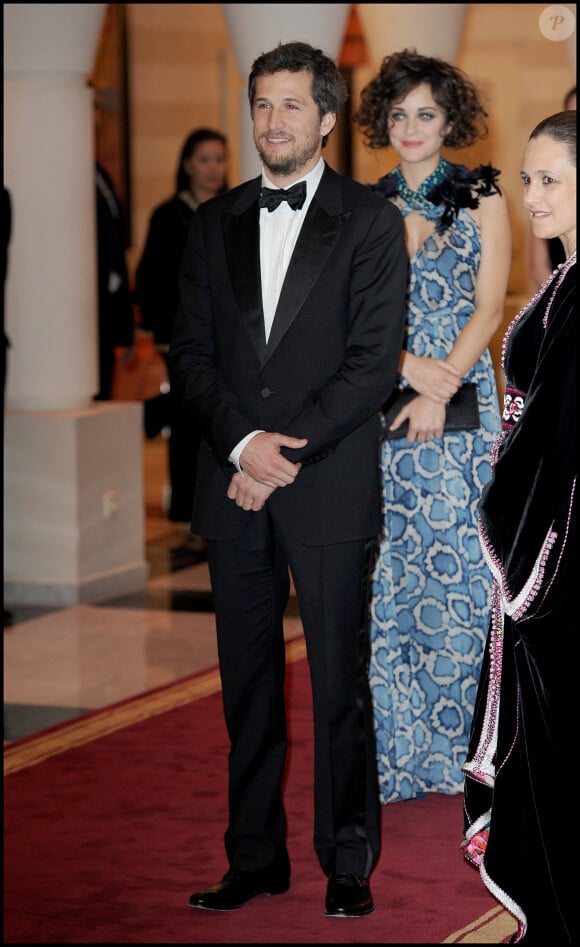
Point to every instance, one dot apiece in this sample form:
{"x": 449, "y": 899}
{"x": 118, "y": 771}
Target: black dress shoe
{"x": 348, "y": 896}
{"x": 237, "y": 887}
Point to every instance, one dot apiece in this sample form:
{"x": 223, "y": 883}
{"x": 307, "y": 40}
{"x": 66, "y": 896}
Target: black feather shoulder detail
{"x": 456, "y": 187}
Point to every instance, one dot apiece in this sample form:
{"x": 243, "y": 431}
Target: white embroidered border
{"x": 517, "y": 605}
{"x": 505, "y": 899}
{"x": 481, "y": 766}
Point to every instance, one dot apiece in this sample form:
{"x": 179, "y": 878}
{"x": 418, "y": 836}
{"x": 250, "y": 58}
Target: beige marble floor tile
{"x": 91, "y": 657}
{"x": 195, "y": 578}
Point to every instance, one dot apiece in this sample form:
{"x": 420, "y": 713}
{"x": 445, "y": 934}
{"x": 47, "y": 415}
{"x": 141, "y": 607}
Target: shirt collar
{"x": 312, "y": 178}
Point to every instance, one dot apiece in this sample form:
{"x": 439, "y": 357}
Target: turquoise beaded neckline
{"x": 421, "y": 195}
{"x": 448, "y": 189}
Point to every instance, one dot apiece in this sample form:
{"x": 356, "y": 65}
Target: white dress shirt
{"x": 279, "y": 230}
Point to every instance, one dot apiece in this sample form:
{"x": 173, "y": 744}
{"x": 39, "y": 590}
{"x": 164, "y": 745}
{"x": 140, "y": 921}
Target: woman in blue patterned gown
{"x": 431, "y": 594}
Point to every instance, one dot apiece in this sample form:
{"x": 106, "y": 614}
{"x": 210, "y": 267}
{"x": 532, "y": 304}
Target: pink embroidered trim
{"x": 563, "y": 546}
{"x": 563, "y": 269}
{"x": 531, "y": 302}
{"x": 517, "y": 605}
{"x": 474, "y": 849}
{"x": 513, "y": 405}
{"x": 481, "y": 766}
{"x": 559, "y": 273}
{"x": 493, "y": 454}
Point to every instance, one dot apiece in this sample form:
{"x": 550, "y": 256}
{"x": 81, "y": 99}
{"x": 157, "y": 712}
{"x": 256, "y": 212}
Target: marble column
{"x": 255, "y": 28}
{"x": 73, "y": 497}
{"x": 433, "y": 29}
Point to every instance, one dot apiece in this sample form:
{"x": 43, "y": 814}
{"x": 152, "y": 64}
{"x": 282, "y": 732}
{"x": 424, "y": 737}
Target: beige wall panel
{"x": 176, "y": 83}
{"x": 164, "y": 120}
{"x": 159, "y": 16}
{"x": 182, "y": 74}
{"x": 173, "y": 45}
{"x": 158, "y": 153}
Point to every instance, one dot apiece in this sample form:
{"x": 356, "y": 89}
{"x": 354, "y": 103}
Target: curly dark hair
{"x": 402, "y": 72}
{"x": 329, "y": 89}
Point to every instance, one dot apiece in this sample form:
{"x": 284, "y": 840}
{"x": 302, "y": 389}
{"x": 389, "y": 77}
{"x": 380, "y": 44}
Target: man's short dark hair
{"x": 329, "y": 89}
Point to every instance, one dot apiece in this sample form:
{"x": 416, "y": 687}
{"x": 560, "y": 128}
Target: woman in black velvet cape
{"x": 518, "y": 801}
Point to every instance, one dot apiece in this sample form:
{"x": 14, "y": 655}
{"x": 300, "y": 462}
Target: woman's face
{"x": 549, "y": 179}
{"x": 206, "y": 167}
{"x": 417, "y": 125}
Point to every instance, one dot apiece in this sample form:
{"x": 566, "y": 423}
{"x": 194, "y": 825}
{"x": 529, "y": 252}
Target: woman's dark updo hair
{"x": 402, "y": 72}
{"x": 561, "y": 128}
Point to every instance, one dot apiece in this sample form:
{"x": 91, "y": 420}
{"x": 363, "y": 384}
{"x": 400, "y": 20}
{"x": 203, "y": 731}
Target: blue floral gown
{"x": 431, "y": 588}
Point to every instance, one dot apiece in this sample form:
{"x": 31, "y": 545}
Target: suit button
{"x": 265, "y": 392}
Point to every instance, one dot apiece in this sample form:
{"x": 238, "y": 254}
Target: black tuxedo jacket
{"x": 329, "y": 363}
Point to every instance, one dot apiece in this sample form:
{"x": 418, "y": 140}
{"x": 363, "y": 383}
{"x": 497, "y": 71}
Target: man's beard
{"x": 288, "y": 164}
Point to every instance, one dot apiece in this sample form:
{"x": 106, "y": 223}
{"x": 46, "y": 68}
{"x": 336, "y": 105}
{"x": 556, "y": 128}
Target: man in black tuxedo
{"x": 285, "y": 345}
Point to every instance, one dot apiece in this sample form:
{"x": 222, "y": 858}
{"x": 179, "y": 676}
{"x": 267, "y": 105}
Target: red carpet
{"x": 106, "y": 839}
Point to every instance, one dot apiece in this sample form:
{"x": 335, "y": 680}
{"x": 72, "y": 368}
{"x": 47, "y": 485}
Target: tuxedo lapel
{"x": 320, "y": 231}
{"x": 241, "y": 237}
{"x": 314, "y": 246}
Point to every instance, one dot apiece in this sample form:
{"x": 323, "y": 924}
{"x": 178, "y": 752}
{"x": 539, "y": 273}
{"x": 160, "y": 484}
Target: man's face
{"x": 288, "y": 130}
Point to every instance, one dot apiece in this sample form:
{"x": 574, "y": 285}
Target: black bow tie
{"x": 295, "y": 195}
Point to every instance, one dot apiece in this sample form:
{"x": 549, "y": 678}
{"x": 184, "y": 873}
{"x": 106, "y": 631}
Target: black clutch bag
{"x": 462, "y": 412}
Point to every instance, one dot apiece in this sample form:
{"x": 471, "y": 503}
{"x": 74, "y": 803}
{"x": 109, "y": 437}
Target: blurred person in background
{"x": 6, "y": 234}
{"x": 201, "y": 174}
{"x": 116, "y": 323}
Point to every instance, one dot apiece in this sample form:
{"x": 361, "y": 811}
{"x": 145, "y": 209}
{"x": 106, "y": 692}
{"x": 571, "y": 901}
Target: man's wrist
{"x": 237, "y": 451}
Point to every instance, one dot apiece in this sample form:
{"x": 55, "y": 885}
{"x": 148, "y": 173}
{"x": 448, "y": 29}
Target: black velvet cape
{"x": 520, "y": 794}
